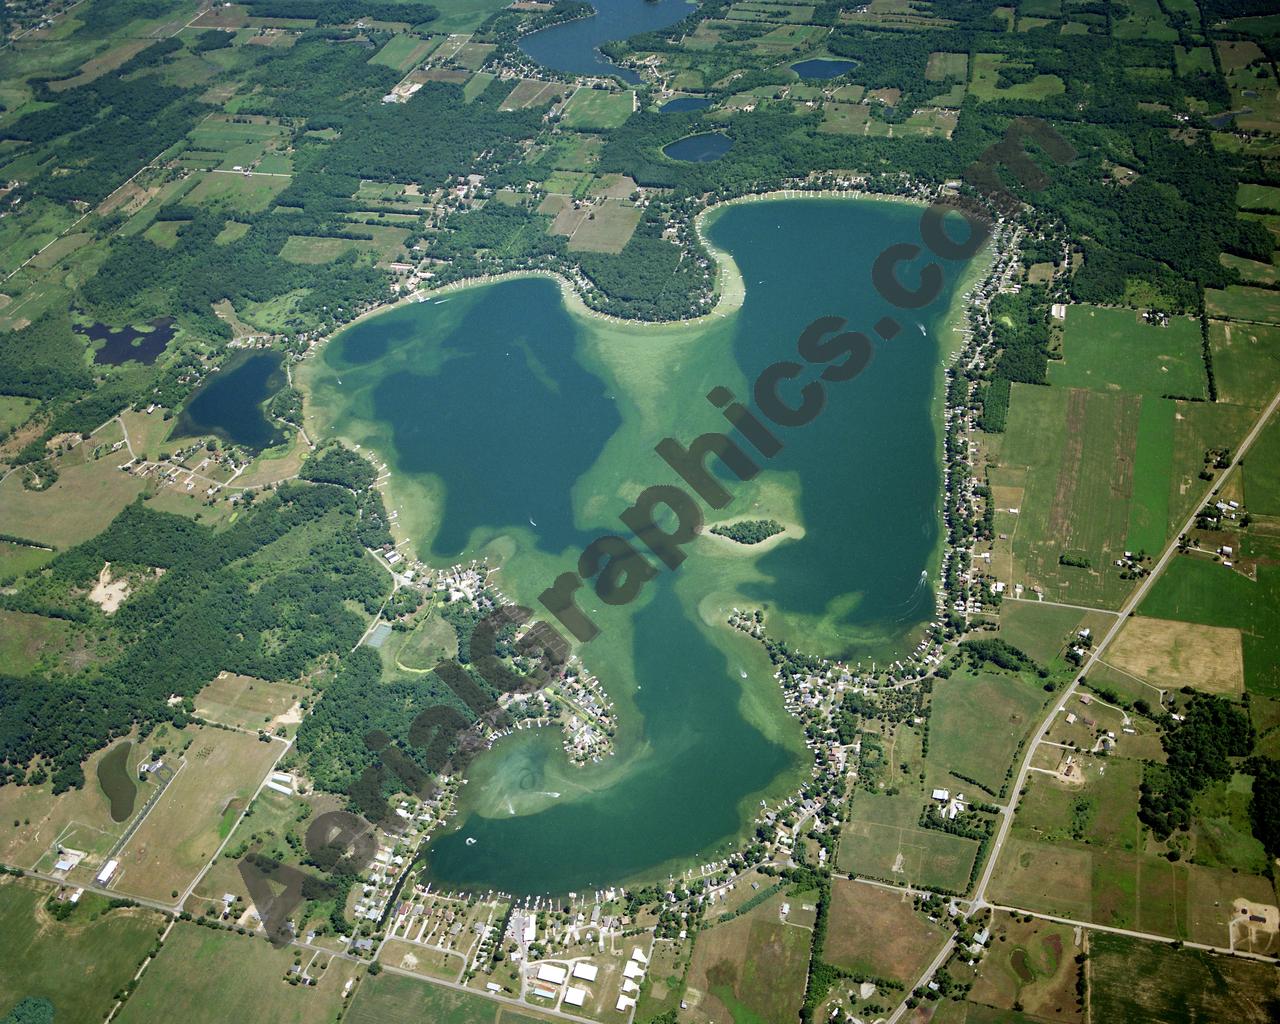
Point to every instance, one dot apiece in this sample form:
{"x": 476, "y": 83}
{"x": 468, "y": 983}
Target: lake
{"x": 699, "y": 149}
{"x": 683, "y": 104}
{"x": 572, "y": 46}
{"x": 562, "y": 441}
{"x": 821, "y": 68}
{"x": 229, "y": 404}
{"x": 120, "y": 345}
{"x": 117, "y": 781}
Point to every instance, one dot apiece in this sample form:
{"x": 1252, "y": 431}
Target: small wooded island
{"x": 749, "y": 531}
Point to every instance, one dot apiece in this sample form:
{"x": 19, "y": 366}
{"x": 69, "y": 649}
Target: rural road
{"x": 979, "y": 900}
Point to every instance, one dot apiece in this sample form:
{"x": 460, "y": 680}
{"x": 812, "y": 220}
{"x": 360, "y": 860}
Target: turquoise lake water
{"x": 505, "y": 411}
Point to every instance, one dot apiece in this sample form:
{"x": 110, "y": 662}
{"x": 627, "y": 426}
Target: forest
{"x": 241, "y": 600}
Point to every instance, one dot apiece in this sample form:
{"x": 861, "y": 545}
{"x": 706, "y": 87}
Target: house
{"x": 624, "y": 1004}
{"x": 942, "y": 795}
{"x": 633, "y": 970}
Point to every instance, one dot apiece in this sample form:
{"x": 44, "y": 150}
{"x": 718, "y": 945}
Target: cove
{"x": 521, "y": 436}
{"x": 572, "y": 46}
{"x": 229, "y": 404}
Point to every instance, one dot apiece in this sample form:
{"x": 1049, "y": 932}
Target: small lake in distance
{"x": 229, "y": 404}
{"x": 572, "y": 46}
{"x": 128, "y": 343}
{"x": 681, "y": 104}
{"x": 822, "y": 68}
{"x": 699, "y": 149}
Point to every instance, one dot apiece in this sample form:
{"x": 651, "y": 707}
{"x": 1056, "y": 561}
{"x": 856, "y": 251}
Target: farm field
{"x": 33, "y": 642}
{"x": 753, "y": 967}
{"x": 872, "y": 930}
{"x": 1042, "y": 631}
{"x": 1108, "y": 349}
{"x": 1073, "y": 499}
{"x": 942, "y": 66}
{"x": 1030, "y": 964}
{"x": 999, "y": 707}
{"x": 1173, "y": 654}
{"x": 237, "y": 193}
{"x": 1262, "y": 472}
{"x": 77, "y": 964}
{"x": 1149, "y": 512}
{"x": 196, "y": 812}
{"x": 403, "y": 52}
{"x": 1238, "y": 302}
{"x": 395, "y": 999}
{"x": 884, "y": 840}
{"x": 1137, "y": 980}
{"x": 597, "y": 108}
{"x": 247, "y": 703}
{"x": 603, "y": 227}
{"x": 1197, "y": 590}
{"x": 1246, "y": 362}
{"x": 207, "y": 975}
{"x": 1251, "y": 271}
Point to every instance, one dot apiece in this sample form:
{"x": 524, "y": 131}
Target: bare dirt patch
{"x": 108, "y": 593}
{"x": 1171, "y": 654}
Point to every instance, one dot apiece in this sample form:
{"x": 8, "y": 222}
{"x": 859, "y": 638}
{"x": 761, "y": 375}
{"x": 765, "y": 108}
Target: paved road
{"x": 979, "y": 900}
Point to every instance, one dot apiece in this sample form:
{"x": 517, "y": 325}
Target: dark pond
{"x": 116, "y": 782}
{"x": 126, "y": 343}
{"x": 820, "y": 68}
{"x": 682, "y": 103}
{"x": 229, "y": 404}
{"x": 699, "y": 149}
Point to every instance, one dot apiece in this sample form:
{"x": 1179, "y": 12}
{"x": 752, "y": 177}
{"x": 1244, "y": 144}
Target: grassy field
{"x": 203, "y": 975}
{"x": 19, "y": 559}
{"x": 1197, "y": 590}
{"x": 1238, "y": 302}
{"x": 433, "y": 640}
{"x": 1116, "y": 349}
{"x": 1246, "y": 362}
{"x": 1134, "y": 980}
{"x": 1030, "y": 964}
{"x": 942, "y": 66}
{"x": 15, "y": 411}
{"x": 197, "y": 811}
{"x": 1073, "y": 497}
{"x": 883, "y": 840}
{"x": 872, "y": 930}
{"x": 1043, "y": 630}
{"x": 236, "y": 192}
{"x": 85, "y": 498}
{"x": 394, "y": 999}
{"x": 250, "y": 703}
{"x": 531, "y": 92}
{"x": 1153, "y": 459}
{"x": 751, "y": 968}
{"x": 403, "y": 52}
{"x": 598, "y": 108}
{"x": 603, "y": 227}
{"x": 986, "y": 73}
{"x": 978, "y": 722}
{"x": 77, "y": 964}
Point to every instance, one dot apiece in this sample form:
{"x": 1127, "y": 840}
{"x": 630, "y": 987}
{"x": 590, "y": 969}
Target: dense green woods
{"x": 266, "y": 598}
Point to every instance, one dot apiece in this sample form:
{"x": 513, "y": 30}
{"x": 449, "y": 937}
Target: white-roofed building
{"x": 633, "y": 970}
{"x": 576, "y": 996}
{"x": 551, "y": 974}
{"x": 585, "y": 971}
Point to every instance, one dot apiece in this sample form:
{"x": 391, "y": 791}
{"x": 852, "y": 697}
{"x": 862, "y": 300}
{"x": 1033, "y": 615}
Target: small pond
{"x": 699, "y": 149}
{"x": 823, "y": 68}
{"x": 129, "y": 343}
{"x": 681, "y": 104}
{"x": 116, "y": 782}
